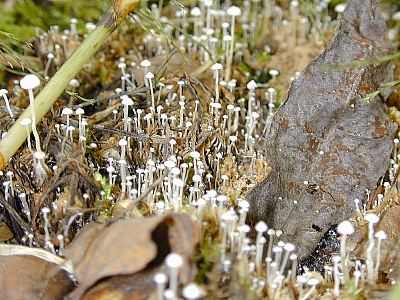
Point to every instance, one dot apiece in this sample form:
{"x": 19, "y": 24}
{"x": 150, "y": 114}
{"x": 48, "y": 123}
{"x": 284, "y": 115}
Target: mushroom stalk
{"x": 108, "y": 23}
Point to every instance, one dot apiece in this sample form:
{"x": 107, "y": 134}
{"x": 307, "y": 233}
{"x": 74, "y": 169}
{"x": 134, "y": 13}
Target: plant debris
{"x": 138, "y": 244}
{"x": 29, "y": 277}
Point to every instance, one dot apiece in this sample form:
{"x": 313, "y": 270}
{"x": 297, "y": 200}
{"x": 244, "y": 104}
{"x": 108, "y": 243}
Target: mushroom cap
{"x": 255, "y": 115}
{"x": 145, "y": 63}
{"x": 216, "y": 105}
{"x": 208, "y": 3}
{"x": 45, "y": 210}
{"x": 227, "y": 38}
{"x": 126, "y": 100}
{"x": 121, "y": 65}
{"x": 3, "y": 92}
{"x": 216, "y": 66}
{"x": 243, "y": 204}
{"x": 233, "y": 138}
{"x": 273, "y": 72}
{"x": 196, "y": 178}
{"x": 122, "y": 142}
{"x": 39, "y": 155}
{"x": 261, "y": 226}
{"x": 90, "y": 26}
{"x": 160, "y": 277}
{"x": 192, "y": 291}
{"x": 79, "y": 111}
{"x": 225, "y": 25}
{"x": 222, "y": 198}
{"x": 228, "y": 216}
{"x": 74, "y": 83}
{"x": 169, "y": 164}
{"x": 345, "y": 228}
{"x": 381, "y": 235}
{"x": 340, "y": 8}
{"x": 195, "y": 12}
{"x": 224, "y": 177}
{"x": 178, "y": 182}
{"x": 195, "y": 154}
{"x": 396, "y": 16}
{"x": 289, "y": 247}
{"x": 149, "y": 75}
{"x": 175, "y": 171}
{"x": 234, "y": 11}
{"x": 371, "y": 218}
{"x": 66, "y": 111}
{"x": 251, "y": 85}
{"x": 26, "y": 122}
{"x": 174, "y": 260}
{"x": 29, "y": 82}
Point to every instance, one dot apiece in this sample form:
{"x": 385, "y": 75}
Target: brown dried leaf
{"x": 124, "y": 287}
{"x": 130, "y": 246}
{"x": 29, "y": 277}
{"x": 6, "y": 233}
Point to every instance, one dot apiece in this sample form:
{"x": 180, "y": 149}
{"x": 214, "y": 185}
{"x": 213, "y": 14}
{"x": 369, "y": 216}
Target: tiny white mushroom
{"x": 216, "y": 68}
{"x": 160, "y": 279}
{"x": 30, "y": 82}
{"x": 173, "y": 261}
{"x": 66, "y": 111}
{"x": 149, "y": 76}
{"x": 372, "y": 219}
{"x": 192, "y": 292}
{"x": 26, "y": 122}
{"x": 3, "y": 93}
{"x": 380, "y": 235}
{"x": 345, "y": 228}
{"x": 232, "y": 11}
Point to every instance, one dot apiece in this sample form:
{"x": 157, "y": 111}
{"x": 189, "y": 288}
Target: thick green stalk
{"x": 17, "y": 134}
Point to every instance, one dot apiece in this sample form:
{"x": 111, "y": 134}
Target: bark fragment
{"x": 325, "y": 146}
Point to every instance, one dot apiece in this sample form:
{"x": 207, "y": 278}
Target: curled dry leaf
{"x": 137, "y": 286}
{"x": 30, "y": 277}
{"x": 129, "y": 246}
{"x": 9, "y": 250}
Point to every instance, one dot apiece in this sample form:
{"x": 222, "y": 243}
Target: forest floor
{"x": 151, "y": 150}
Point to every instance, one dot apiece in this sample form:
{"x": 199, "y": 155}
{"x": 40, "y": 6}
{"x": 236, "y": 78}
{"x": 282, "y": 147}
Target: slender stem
{"x": 33, "y": 118}
{"x": 231, "y": 49}
{"x": 17, "y": 134}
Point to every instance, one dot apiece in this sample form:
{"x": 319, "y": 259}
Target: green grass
{"x": 24, "y": 16}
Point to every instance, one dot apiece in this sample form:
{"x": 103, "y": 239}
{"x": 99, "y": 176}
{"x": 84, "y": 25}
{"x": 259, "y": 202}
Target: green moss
{"x": 352, "y": 291}
{"x": 206, "y": 258}
{"x": 264, "y": 57}
{"x": 105, "y": 204}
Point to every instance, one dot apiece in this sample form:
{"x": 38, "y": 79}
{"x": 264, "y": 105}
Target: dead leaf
{"x": 124, "y": 287}
{"x": 9, "y": 250}
{"x": 29, "y": 277}
{"x": 5, "y": 232}
{"x": 129, "y": 246}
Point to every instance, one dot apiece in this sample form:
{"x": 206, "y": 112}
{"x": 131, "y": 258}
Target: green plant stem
{"x": 17, "y": 134}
